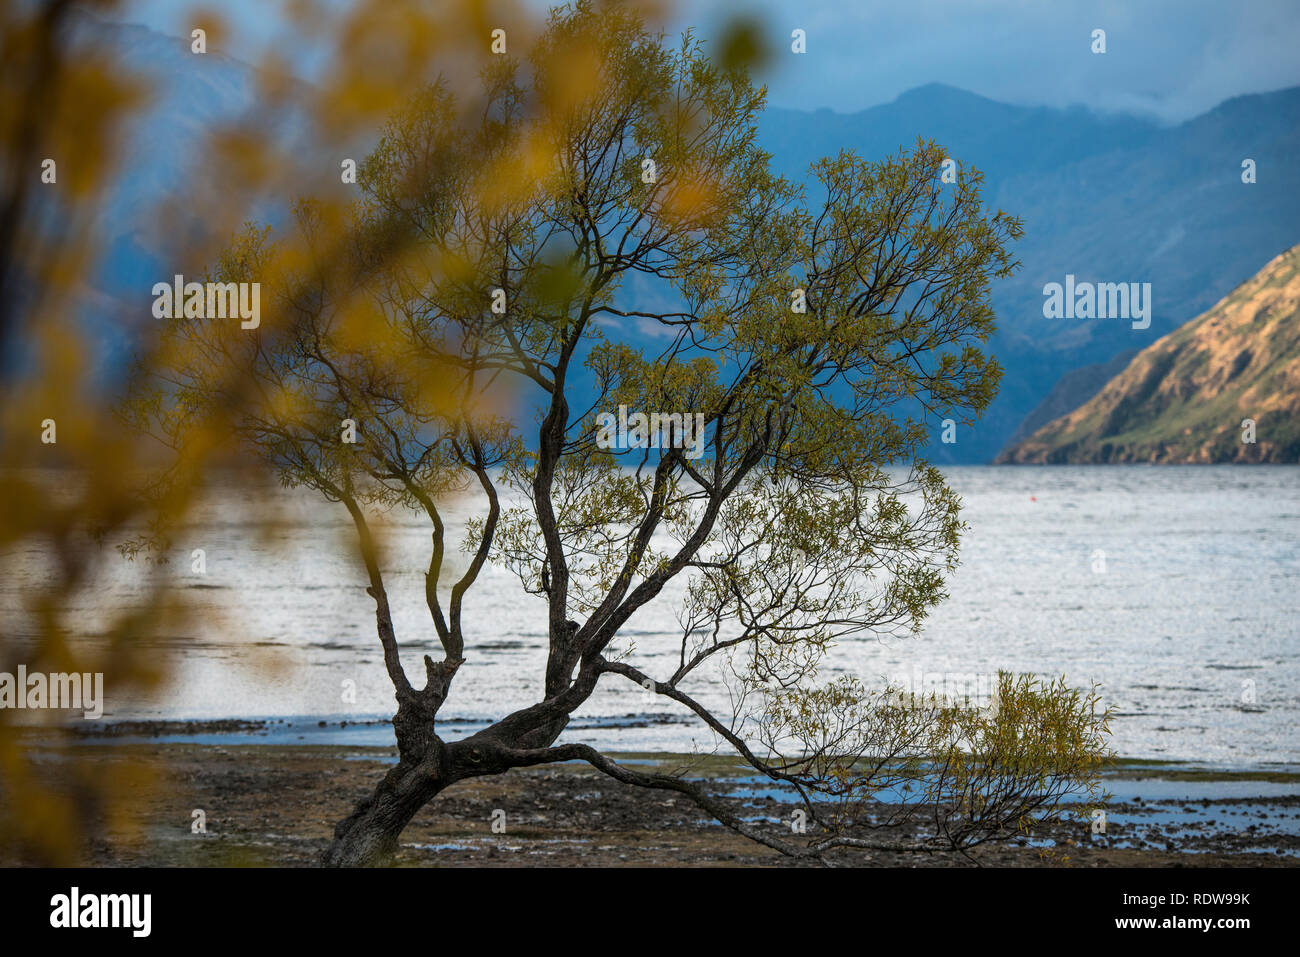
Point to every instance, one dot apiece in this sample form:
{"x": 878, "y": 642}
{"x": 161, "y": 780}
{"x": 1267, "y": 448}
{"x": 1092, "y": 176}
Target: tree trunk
{"x": 368, "y": 836}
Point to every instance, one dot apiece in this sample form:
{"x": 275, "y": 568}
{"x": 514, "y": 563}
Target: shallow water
{"x": 1196, "y": 816}
{"x": 1174, "y": 588}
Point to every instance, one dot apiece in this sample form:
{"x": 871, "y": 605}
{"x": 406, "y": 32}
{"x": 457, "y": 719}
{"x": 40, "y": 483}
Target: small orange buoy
{"x": 1033, "y": 498}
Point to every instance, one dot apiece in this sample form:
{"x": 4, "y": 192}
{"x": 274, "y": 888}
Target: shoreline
{"x": 373, "y": 731}
{"x": 275, "y": 804}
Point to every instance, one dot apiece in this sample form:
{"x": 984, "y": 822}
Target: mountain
{"x": 1186, "y": 397}
{"x": 1071, "y": 391}
{"x": 1105, "y": 198}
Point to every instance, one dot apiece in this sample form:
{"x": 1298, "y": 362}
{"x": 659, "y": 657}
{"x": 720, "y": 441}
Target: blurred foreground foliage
{"x": 65, "y": 504}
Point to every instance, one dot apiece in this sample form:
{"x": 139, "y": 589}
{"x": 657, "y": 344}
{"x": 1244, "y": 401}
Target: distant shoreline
{"x": 373, "y": 733}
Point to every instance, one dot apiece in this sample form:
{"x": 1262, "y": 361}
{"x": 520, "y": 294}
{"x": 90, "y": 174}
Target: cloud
{"x": 1170, "y": 58}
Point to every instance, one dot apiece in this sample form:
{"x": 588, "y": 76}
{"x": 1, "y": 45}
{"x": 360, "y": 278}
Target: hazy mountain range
{"x": 1104, "y": 198}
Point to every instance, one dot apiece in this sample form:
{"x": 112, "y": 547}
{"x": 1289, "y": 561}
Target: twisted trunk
{"x": 368, "y": 837}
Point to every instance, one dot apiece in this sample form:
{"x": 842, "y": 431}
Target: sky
{"x": 1171, "y": 59}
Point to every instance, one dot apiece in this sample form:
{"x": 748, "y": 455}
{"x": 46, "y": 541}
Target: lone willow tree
{"x": 475, "y": 321}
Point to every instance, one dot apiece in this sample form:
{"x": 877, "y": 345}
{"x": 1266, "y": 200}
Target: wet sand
{"x": 276, "y": 804}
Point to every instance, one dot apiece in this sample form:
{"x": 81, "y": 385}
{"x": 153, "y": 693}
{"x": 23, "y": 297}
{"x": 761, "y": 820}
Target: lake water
{"x": 1176, "y": 589}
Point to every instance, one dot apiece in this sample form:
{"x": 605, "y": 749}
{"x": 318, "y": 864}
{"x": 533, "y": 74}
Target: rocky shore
{"x": 276, "y": 804}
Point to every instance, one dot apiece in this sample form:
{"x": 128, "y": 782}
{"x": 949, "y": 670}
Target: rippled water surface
{"x": 1176, "y": 589}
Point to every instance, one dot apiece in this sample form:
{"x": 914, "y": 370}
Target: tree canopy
{"x": 498, "y": 288}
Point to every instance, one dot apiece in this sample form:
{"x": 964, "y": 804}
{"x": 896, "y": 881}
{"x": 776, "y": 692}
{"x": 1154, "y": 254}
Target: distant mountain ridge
{"x": 1071, "y": 391}
{"x": 1107, "y": 198}
{"x": 1192, "y": 396}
